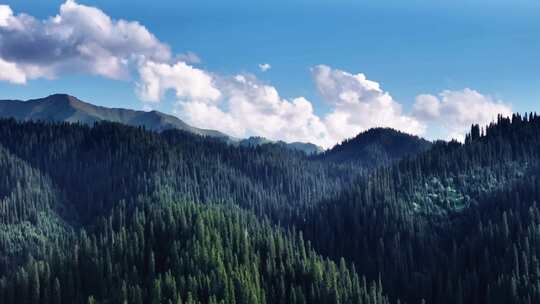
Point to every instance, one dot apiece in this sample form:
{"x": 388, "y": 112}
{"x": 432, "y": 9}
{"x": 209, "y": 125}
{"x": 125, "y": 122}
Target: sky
{"x": 317, "y": 71}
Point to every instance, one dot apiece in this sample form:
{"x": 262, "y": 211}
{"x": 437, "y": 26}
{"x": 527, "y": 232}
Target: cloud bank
{"x": 83, "y": 39}
{"x": 80, "y": 39}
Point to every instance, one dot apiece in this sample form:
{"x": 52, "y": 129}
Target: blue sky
{"x": 408, "y": 47}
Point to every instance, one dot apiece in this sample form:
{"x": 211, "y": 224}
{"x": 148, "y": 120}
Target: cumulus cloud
{"x": 456, "y": 111}
{"x": 359, "y": 104}
{"x": 79, "y": 39}
{"x": 240, "y": 106}
{"x": 264, "y": 67}
{"x": 250, "y": 107}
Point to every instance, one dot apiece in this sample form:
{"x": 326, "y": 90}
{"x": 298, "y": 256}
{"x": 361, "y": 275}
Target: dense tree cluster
{"x": 170, "y": 252}
{"x": 117, "y": 214}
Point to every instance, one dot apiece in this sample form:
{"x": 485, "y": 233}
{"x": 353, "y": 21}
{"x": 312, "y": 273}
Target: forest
{"x": 111, "y": 213}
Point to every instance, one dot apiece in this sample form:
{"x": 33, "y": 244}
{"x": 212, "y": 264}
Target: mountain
{"x": 307, "y": 148}
{"x": 66, "y": 108}
{"x": 376, "y": 147}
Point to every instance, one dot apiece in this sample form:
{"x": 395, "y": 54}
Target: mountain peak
{"x": 59, "y": 97}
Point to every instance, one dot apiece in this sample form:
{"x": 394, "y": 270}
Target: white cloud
{"x": 456, "y": 111}
{"x": 249, "y": 107}
{"x": 11, "y": 73}
{"x": 80, "y": 39}
{"x": 427, "y": 107}
{"x": 264, "y": 67}
{"x": 359, "y": 104}
{"x": 188, "y": 82}
{"x": 5, "y": 14}
{"x": 240, "y": 106}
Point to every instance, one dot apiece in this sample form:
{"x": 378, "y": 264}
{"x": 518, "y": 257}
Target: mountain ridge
{"x": 68, "y": 108}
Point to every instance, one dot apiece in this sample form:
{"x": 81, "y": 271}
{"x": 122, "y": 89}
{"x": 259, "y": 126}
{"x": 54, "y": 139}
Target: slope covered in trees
{"x": 114, "y": 214}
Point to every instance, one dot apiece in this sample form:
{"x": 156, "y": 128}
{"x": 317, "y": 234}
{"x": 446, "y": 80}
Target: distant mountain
{"x": 307, "y": 148}
{"x": 66, "y": 108}
{"x": 376, "y": 147}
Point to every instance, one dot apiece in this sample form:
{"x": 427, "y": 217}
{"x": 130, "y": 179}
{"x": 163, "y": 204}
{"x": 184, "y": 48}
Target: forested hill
{"x": 376, "y": 147}
{"x": 457, "y": 224}
{"x": 113, "y": 214}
